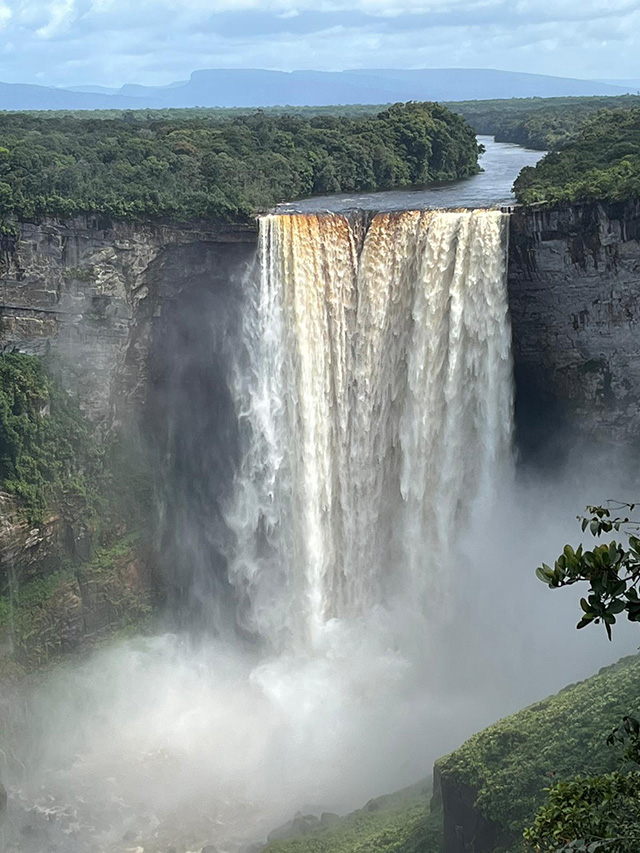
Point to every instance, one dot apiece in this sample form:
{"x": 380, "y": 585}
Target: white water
{"x": 394, "y": 613}
{"x": 379, "y": 407}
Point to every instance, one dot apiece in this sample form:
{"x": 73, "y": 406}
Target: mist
{"x": 197, "y": 736}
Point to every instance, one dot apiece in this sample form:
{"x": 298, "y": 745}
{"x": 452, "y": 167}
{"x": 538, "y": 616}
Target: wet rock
{"x": 3, "y": 799}
{"x": 575, "y": 309}
{"x": 209, "y": 848}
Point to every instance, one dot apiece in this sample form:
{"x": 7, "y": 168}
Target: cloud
{"x": 67, "y": 42}
{"x": 59, "y": 13}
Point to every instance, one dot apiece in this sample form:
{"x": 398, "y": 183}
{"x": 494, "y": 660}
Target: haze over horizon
{"x": 110, "y": 43}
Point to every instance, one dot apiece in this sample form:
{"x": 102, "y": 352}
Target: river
{"x": 492, "y": 187}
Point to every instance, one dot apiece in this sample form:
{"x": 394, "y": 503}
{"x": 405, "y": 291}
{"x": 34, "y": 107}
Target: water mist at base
{"x": 382, "y": 563}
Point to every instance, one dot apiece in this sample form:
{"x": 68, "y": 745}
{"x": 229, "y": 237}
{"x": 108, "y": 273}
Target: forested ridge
{"x": 539, "y": 123}
{"x": 185, "y": 168}
{"x": 545, "y": 124}
{"x": 601, "y": 162}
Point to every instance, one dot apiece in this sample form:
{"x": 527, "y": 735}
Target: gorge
{"x": 323, "y": 424}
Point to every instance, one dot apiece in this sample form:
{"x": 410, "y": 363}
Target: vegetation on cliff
{"x": 50, "y": 455}
{"x": 184, "y": 168}
{"x": 513, "y": 762}
{"x": 95, "y": 496}
{"x": 602, "y": 162}
{"x": 397, "y": 823}
{"x": 82, "y": 601}
{"x": 599, "y": 814}
{"x": 46, "y": 449}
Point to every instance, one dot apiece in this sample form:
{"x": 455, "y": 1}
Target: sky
{"x": 156, "y": 42}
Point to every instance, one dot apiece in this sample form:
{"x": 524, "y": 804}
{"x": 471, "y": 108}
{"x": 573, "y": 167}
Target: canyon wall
{"x": 120, "y": 304}
{"x": 98, "y": 296}
{"x": 574, "y": 295}
{"x": 92, "y": 291}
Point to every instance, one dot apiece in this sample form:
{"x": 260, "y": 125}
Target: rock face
{"x": 466, "y": 829}
{"x": 94, "y": 294}
{"x": 122, "y": 305}
{"x": 574, "y": 294}
{"x": 93, "y": 291}
{"x": 90, "y": 290}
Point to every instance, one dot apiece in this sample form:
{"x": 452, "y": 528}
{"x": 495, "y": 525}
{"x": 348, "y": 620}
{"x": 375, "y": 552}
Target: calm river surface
{"x": 501, "y": 163}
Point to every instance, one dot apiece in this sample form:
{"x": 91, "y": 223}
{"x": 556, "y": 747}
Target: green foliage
{"x": 627, "y": 734}
{"x": 213, "y": 113}
{"x": 601, "y": 162}
{"x": 46, "y": 450}
{"x": 599, "y": 814}
{"x": 596, "y": 814}
{"x": 50, "y": 614}
{"x": 511, "y": 763}
{"x": 225, "y": 168}
{"x": 546, "y": 124}
{"x": 51, "y": 459}
{"x": 612, "y": 570}
{"x": 541, "y": 123}
{"x": 398, "y": 823}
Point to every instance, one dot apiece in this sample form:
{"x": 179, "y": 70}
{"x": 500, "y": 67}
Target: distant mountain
{"x": 24, "y": 96}
{"x": 630, "y": 85}
{"x": 259, "y": 88}
{"x": 94, "y": 90}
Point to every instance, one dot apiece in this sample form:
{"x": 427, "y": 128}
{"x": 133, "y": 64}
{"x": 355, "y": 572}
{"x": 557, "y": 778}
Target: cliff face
{"x": 574, "y": 293}
{"x": 90, "y": 291}
{"x": 465, "y": 828}
{"x": 96, "y": 295}
{"x": 124, "y": 306}
{"x": 93, "y": 291}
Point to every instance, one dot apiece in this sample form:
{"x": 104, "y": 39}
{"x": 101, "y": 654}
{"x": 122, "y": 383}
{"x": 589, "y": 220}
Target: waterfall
{"x": 376, "y": 411}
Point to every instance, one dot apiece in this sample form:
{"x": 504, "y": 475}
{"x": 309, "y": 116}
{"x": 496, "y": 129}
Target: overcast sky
{"x": 110, "y": 42}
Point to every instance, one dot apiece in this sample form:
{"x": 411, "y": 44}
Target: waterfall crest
{"x": 376, "y": 409}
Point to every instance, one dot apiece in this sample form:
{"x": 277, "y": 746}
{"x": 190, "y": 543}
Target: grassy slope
{"x": 510, "y": 764}
{"x": 397, "y": 823}
{"x": 513, "y": 761}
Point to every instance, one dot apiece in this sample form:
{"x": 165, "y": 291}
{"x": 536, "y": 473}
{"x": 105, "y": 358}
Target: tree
{"x": 612, "y": 569}
{"x": 598, "y": 814}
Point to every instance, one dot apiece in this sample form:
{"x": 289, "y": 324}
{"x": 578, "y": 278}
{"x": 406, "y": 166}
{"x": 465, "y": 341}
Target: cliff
{"x": 90, "y": 290}
{"x": 93, "y": 294}
{"x": 93, "y": 291}
{"x": 492, "y": 786}
{"x": 574, "y": 294}
{"x": 124, "y": 307}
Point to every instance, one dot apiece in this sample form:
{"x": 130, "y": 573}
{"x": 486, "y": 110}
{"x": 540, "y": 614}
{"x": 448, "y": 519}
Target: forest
{"x": 601, "y": 162}
{"x": 544, "y": 124}
{"x": 185, "y": 168}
